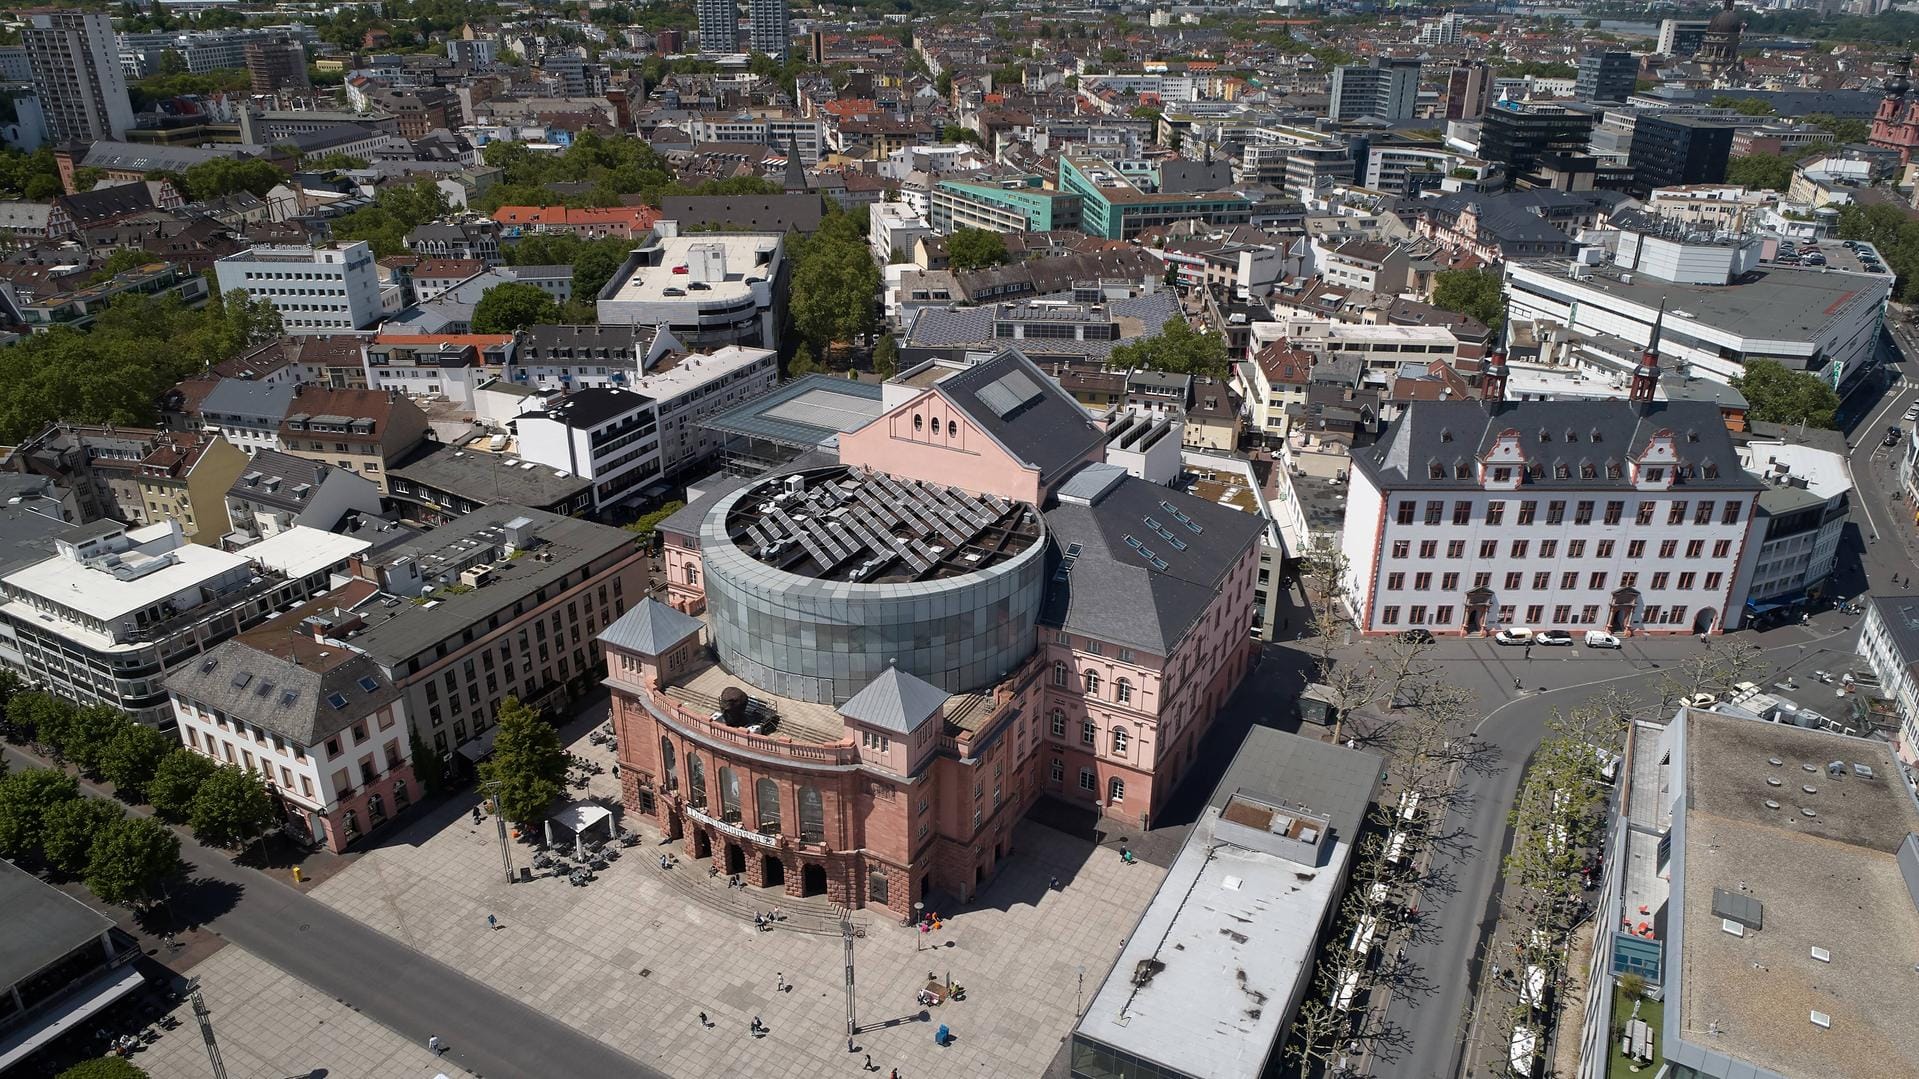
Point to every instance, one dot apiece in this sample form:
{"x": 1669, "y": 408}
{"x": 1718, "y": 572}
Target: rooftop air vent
{"x": 1774, "y": 761}
{"x": 1774, "y": 781}
{"x": 1821, "y": 954}
{"x": 1808, "y": 811}
{"x": 1822, "y": 1020}
{"x": 1770, "y": 804}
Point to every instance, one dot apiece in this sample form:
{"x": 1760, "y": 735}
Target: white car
{"x": 1699, "y": 700}
{"x": 1514, "y": 635}
{"x": 1600, "y": 639}
{"x": 1912, "y": 413}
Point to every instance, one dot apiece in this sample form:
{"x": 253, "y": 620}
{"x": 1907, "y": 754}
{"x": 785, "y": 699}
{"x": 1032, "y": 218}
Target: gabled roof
{"x": 288, "y": 683}
{"x": 896, "y": 701}
{"x": 650, "y": 628}
{"x": 1025, "y": 411}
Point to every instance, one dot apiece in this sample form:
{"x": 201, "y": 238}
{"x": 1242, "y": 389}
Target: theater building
{"x": 872, "y": 668}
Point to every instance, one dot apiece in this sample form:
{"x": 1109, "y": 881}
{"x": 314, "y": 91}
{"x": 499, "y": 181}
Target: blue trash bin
{"x": 942, "y": 1036}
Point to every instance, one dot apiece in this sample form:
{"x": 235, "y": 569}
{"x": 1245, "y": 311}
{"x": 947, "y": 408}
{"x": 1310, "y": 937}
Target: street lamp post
{"x": 919, "y": 921}
{"x": 506, "y": 852}
{"x": 1079, "y": 990}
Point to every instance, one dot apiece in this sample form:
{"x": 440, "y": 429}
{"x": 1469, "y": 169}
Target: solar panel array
{"x": 868, "y": 519}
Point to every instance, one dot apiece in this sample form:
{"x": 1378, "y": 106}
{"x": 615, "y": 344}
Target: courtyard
{"x": 635, "y": 956}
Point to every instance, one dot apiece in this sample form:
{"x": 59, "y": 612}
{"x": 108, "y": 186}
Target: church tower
{"x": 1896, "y": 125}
{"x": 1719, "y": 53}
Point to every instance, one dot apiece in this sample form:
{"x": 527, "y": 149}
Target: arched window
{"x": 1092, "y": 683}
{"x": 919, "y": 422}
{"x": 1115, "y": 790}
{"x": 766, "y": 803}
{"x": 669, "y": 770}
{"x": 729, "y": 794}
{"x": 696, "y": 780}
{"x": 1059, "y": 673}
{"x": 812, "y": 816}
{"x": 1058, "y": 719}
{"x": 1120, "y": 738}
{"x": 400, "y": 797}
{"x": 1122, "y": 691}
{"x": 375, "y": 809}
{"x": 350, "y": 824}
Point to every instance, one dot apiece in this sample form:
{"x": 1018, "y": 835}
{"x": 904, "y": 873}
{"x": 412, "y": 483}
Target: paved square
{"x": 270, "y": 1023}
{"x": 633, "y": 958}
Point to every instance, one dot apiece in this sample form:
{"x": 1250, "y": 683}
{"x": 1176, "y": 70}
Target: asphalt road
{"x": 1458, "y": 918}
{"x": 487, "y": 1032}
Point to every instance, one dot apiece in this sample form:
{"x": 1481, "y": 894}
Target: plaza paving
{"x": 633, "y": 958}
{"x": 270, "y": 1023}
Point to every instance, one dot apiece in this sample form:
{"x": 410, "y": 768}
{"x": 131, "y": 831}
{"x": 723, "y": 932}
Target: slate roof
{"x": 1046, "y": 429}
{"x": 1114, "y": 591}
{"x": 102, "y": 203}
{"x": 650, "y": 628}
{"x": 1202, "y": 177}
{"x": 896, "y": 701}
{"x": 280, "y": 680}
{"x": 291, "y": 471}
{"x": 1552, "y": 433}
{"x": 246, "y": 398}
{"x": 748, "y": 213}
{"x": 43, "y": 924}
{"x": 486, "y": 477}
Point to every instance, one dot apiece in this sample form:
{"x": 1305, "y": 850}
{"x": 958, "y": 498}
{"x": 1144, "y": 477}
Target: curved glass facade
{"x": 816, "y": 640}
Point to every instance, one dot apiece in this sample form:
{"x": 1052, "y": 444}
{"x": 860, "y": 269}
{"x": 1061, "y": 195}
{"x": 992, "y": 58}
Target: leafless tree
{"x": 1714, "y": 669}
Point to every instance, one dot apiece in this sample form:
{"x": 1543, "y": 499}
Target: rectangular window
{"x": 1569, "y": 580}
{"x": 1589, "y": 614}
{"x": 1495, "y": 512}
{"x": 1455, "y": 548}
{"x": 1583, "y": 513}
{"x": 1668, "y": 549}
{"x": 1482, "y": 580}
{"x": 1549, "y": 548}
{"x": 1654, "y": 614}
{"x": 1395, "y": 582}
{"x": 1676, "y": 513}
{"x": 1614, "y": 510}
{"x": 1059, "y": 724}
{"x": 1489, "y": 548}
{"x": 1576, "y": 549}
{"x": 1462, "y": 513}
{"x": 1629, "y": 580}
{"x": 1635, "y": 548}
{"x": 1087, "y": 781}
{"x": 1519, "y": 548}
{"x": 1428, "y": 549}
{"x": 1703, "y": 515}
{"x": 1402, "y": 548}
{"x": 1422, "y": 582}
{"x": 1512, "y": 580}
{"x": 1390, "y": 616}
{"x": 1695, "y": 548}
{"x": 1562, "y": 614}
{"x": 1712, "y": 580}
{"x": 1506, "y": 612}
{"x": 1645, "y": 512}
{"x": 1526, "y": 512}
{"x": 1676, "y": 616}
{"x": 1596, "y": 581}
{"x": 1731, "y": 516}
{"x": 1686, "y": 581}
{"x": 1443, "y": 616}
{"x": 1088, "y": 731}
{"x": 1417, "y": 615}
{"x": 1435, "y": 510}
{"x": 1502, "y": 475}
{"x": 1533, "y": 611}
{"x": 1659, "y": 581}
{"x": 1555, "y": 512}
{"x": 1448, "y": 582}
{"x": 1542, "y": 581}
{"x": 1406, "y": 510}
{"x": 1722, "y": 548}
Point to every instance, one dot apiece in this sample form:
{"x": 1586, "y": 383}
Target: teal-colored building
{"x": 1020, "y": 204}
{"x": 1115, "y": 207}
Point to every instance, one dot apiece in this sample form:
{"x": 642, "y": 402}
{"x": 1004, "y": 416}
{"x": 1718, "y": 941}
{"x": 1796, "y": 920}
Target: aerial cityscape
{"x": 1298, "y": 540}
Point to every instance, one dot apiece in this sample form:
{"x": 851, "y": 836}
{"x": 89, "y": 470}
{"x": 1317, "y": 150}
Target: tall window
{"x": 1119, "y": 741}
{"x": 1122, "y": 691}
{"x": 1116, "y": 790}
{"x": 1058, "y": 719}
{"x": 1088, "y": 781}
{"x": 729, "y": 794}
{"x": 1058, "y": 770}
{"x": 766, "y": 803}
{"x": 696, "y": 782}
{"x": 1089, "y": 732}
{"x": 812, "y": 816}
{"x": 1059, "y": 674}
{"x": 1092, "y": 683}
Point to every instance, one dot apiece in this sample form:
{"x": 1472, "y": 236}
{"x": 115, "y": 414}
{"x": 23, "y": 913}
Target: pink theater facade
{"x": 865, "y": 674}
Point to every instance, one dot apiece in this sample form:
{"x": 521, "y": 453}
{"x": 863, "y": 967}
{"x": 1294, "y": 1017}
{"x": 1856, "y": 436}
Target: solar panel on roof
{"x": 1008, "y": 393}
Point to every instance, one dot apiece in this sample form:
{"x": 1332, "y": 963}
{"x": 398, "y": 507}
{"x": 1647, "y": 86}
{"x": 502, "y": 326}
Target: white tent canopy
{"x": 578, "y": 818}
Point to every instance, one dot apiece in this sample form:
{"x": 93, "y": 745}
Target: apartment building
{"x": 1012, "y": 205}
{"x": 1385, "y": 89}
{"x": 510, "y": 603}
{"x": 115, "y": 608}
{"x": 274, "y": 65}
{"x": 608, "y": 435}
{"x": 437, "y": 365}
{"x": 774, "y": 127}
{"x": 316, "y": 289}
{"x": 770, "y": 34}
{"x": 688, "y": 387}
{"x": 1114, "y": 206}
{"x": 719, "y": 22}
{"x": 279, "y": 491}
{"x": 246, "y": 412}
{"x": 439, "y": 483}
{"x": 1803, "y": 513}
{"x": 184, "y": 478}
{"x": 1625, "y": 516}
{"x": 1889, "y": 642}
{"x": 362, "y": 431}
{"x": 76, "y": 76}
{"x": 322, "y": 725}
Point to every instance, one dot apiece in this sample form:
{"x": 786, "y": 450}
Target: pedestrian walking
{"x": 704, "y": 1021}
{"x": 433, "y": 1044}
{"x": 492, "y": 921}
{"x": 1515, "y": 685}
{"x": 780, "y": 982}
{"x": 869, "y": 1063}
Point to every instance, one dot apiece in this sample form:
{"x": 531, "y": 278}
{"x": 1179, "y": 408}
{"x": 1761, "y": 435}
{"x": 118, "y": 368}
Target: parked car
{"x": 1912, "y": 413}
{"x": 1699, "y": 700}
{"x": 1597, "y": 638}
{"x": 1514, "y": 635}
{"x": 1891, "y": 439}
{"x": 1553, "y": 637}
{"x": 1417, "y": 636}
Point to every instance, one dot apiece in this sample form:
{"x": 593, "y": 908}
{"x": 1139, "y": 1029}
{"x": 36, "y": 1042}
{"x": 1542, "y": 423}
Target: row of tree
{"x": 612, "y": 167}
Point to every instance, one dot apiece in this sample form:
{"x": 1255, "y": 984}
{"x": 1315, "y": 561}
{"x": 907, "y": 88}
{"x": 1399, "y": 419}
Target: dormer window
{"x": 1711, "y": 470}
{"x": 1562, "y": 472}
{"x": 1545, "y": 435}
{"x": 1587, "y": 471}
{"x": 1612, "y": 470}
{"x": 1445, "y": 435}
{"x": 1461, "y": 471}
{"x": 1536, "y": 471}
{"x": 1434, "y": 471}
{"x": 1692, "y": 436}
{"x": 1594, "y": 436}
{"x": 1572, "y": 436}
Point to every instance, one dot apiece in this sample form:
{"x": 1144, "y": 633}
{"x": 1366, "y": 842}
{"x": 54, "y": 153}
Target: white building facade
{"x": 608, "y": 435}
{"x": 316, "y": 289}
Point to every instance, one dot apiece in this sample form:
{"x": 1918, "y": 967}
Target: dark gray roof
{"x": 1315, "y": 775}
{"x": 149, "y": 157}
{"x": 43, "y": 924}
{"x": 536, "y": 341}
{"x": 1025, "y": 411}
{"x": 294, "y": 700}
{"x": 248, "y": 399}
{"x": 1451, "y": 433}
{"x": 26, "y": 532}
{"x": 592, "y": 406}
{"x": 255, "y": 484}
{"x": 751, "y": 213}
{"x": 1115, "y": 591}
{"x": 650, "y": 628}
{"x": 897, "y": 701}
{"x": 810, "y": 411}
{"x": 958, "y": 327}
{"x": 486, "y": 477}
{"x": 685, "y": 521}
{"x": 1182, "y": 177}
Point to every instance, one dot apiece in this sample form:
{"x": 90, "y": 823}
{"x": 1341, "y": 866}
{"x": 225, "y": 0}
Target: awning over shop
{"x": 67, "y": 1015}
{"x": 480, "y": 748}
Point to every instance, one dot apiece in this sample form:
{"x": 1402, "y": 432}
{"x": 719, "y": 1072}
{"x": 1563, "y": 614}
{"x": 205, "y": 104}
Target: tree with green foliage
{"x": 1177, "y": 348}
{"x": 132, "y": 758}
{"x": 87, "y": 177}
{"x": 232, "y": 807}
{"x": 30, "y": 712}
{"x": 397, "y": 210}
{"x": 131, "y": 859}
{"x": 429, "y": 766}
{"x": 1769, "y": 172}
{"x": 1896, "y": 236}
{"x": 25, "y": 799}
{"x": 225, "y": 175}
{"x": 1778, "y": 394}
{"x": 1843, "y": 130}
{"x": 513, "y": 306}
{"x": 68, "y": 830}
{"x": 943, "y": 83}
{"x": 176, "y": 781}
{"x": 103, "y": 1068}
{"x": 527, "y": 772}
{"x": 801, "y": 363}
{"x": 974, "y": 249}
{"x": 1475, "y": 293}
{"x": 834, "y": 283}
{"x": 956, "y": 133}
{"x": 93, "y": 729}
{"x": 1744, "y": 106}
{"x": 886, "y": 356}
{"x": 647, "y": 525}
{"x": 120, "y": 261}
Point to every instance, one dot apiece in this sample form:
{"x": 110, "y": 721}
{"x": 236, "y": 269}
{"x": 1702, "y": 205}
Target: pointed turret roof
{"x": 650, "y": 628}
{"x": 895, "y": 701}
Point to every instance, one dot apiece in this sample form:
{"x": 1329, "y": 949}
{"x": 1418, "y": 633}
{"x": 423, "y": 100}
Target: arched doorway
{"x": 1624, "y": 602}
{"x": 1705, "y": 620}
{"x": 812, "y": 879}
{"x": 1479, "y": 603}
{"x": 735, "y": 859}
{"x": 702, "y": 844}
{"x": 772, "y": 871}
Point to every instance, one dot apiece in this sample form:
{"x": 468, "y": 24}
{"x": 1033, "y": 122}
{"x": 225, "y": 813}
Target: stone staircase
{"x": 809, "y": 914}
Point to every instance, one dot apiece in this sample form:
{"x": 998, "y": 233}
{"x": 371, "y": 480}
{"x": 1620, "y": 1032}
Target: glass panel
{"x": 766, "y": 802}
{"x": 812, "y": 816}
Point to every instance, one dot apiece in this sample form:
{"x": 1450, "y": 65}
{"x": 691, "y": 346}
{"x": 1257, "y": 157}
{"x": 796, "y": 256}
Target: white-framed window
{"x": 1123, "y": 691}
{"x": 1059, "y": 673}
{"x": 1119, "y": 740}
{"x": 1088, "y": 781}
{"x": 1089, "y": 732}
{"x": 1092, "y": 683}
{"x": 1059, "y": 770}
{"x": 1116, "y": 790}
{"x": 1059, "y": 723}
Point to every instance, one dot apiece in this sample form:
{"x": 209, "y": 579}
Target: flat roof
{"x": 1773, "y": 303}
{"x": 301, "y": 550}
{"x": 484, "y": 476}
{"x": 43, "y": 924}
{"x": 97, "y": 593}
{"x": 683, "y": 374}
{"x": 741, "y": 251}
{"x": 806, "y": 413}
{"x": 1206, "y": 981}
{"x": 1830, "y": 881}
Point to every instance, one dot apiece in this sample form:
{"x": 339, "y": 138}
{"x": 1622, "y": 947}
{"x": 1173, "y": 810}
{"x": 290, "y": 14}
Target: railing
{"x": 699, "y": 726}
